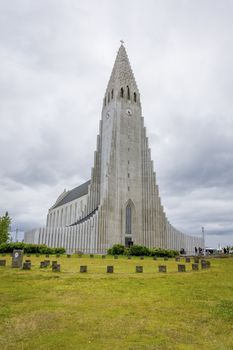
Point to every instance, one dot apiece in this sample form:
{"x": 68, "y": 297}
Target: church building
{"x": 120, "y": 203}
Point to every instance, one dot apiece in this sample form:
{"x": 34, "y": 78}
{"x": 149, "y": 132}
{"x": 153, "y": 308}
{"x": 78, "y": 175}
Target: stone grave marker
{"x": 37, "y": 255}
{"x": 27, "y": 265}
{"x": 17, "y": 258}
{"x": 56, "y": 268}
{"x": 177, "y": 258}
{"x": 47, "y": 262}
{"x": 91, "y": 255}
{"x": 196, "y": 260}
{"x": 195, "y": 267}
{"x": 47, "y": 255}
{"x": 165, "y": 258}
{"x": 155, "y": 258}
{"x": 83, "y": 268}
{"x": 129, "y": 257}
{"x": 110, "y": 269}
{"x": 57, "y": 255}
{"x": 162, "y": 268}
{"x": 116, "y": 257}
{"x": 142, "y": 257}
{"x": 43, "y": 264}
{"x": 54, "y": 262}
{"x": 2, "y": 262}
{"x": 181, "y": 268}
{"x": 103, "y": 256}
{"x": 139, "y": 269}
{"x": 68, "y": 255}
{"x": 187, "y": 259}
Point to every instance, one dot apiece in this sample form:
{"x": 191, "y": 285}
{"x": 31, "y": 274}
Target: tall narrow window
{"x": 128, "y": 220}
{"x": 128, "y": 93}
{"x": 112, "y": 94}
{"x": 108, "y": 97}
{"x": 135, "y": 97}
{"x": 122, "y": 92}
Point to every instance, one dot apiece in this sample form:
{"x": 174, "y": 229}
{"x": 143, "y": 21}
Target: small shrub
{"x": 139, "y": 250}
{"x": 117, "y": 249}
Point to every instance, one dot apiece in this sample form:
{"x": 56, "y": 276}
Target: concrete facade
{"x": 121, "y": 203}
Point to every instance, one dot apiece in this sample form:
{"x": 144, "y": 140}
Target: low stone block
{"x": 162, "y": 268}
{"x": 92, "y": 256}
{"x": 83, "y": 268}
{"x": 116, "y": 257}
{"x": 27, "y": 260}
{"x": 177, "y": 258}
{"x": 54, "y": 262}
{"x": 27, "y": 266}
{"x": 47, "y": 255}
{"x": 129, "y": 257}
{"x": 139, "y": 269}
{"x": 205, "y": 264}
{"x": 142, "y": 257}
{"x": 187, "y": 260}
{"x": 165, "y": 258}
{"x": 47, "y": 262}
{"x": 2, "y": 262}
{"x": 155, "y": 258}
{"x": 56, "y": 268}
{"x": 37, "y": 255}
{"x": 181, "y": 268}
{"x": 196, "y": 260}
{"x": 110, "y": 269}
{"x": 103, "y": 256}
{"x": 43, "y": 264}
{"x": 57, "y": 255}
{"x": 195, "y": 267}
{"x": 68, "y": 255}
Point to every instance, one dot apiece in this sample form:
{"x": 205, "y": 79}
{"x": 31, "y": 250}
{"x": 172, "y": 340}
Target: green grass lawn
{"x": 40, "y": 309}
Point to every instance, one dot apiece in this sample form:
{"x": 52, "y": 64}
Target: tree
{"x": 5, "y": 222}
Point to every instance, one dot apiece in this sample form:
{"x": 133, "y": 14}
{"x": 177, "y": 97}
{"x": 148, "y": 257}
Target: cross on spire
{"x": 122, "y": 42}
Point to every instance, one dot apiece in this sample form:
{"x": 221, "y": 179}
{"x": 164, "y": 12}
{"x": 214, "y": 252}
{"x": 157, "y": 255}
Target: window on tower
{"x": 135, "y": 97}
{"x": 108, "y": 97}
{"x": 112, "y": 94}
{"x": 122, "y": 92}
{"x": 128, "y": 93}
{"x": 128, "y": 221}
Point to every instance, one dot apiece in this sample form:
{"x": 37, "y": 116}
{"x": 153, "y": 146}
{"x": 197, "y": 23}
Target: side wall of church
{"x": 66, "y": 214}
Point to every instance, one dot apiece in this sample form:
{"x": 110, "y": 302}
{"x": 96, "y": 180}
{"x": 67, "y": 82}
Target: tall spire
{"x": 122, "y": 74}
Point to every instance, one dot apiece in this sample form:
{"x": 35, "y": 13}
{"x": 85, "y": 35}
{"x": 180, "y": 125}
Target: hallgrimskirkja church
{"x": 120, "y": 203}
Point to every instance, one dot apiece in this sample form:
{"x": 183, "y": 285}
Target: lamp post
{"x": 203, "y": 236}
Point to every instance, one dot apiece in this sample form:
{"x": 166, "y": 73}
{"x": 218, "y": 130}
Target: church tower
{"x": 128, "y": 187}
{"x": 120, "y": 203}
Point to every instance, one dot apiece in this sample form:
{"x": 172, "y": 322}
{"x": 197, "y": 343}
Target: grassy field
{"x": 40, "y": 309}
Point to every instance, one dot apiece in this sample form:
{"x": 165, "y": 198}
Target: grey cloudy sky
{"x": 56, "y": 57}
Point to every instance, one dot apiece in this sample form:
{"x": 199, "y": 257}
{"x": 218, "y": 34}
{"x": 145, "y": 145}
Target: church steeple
{"x": 122, "y": 82}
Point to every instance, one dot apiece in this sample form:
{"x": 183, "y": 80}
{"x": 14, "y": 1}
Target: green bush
{"x": 30, "y": 248}
{"x": 163, "y": 252}
{"x": 117, "y": 249}
{"x": 139, "y": 250}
